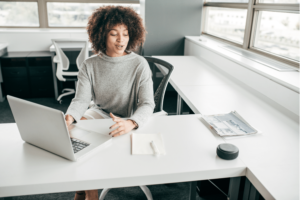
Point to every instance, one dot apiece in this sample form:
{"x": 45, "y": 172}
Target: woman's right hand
{"x": 69, "y": 120}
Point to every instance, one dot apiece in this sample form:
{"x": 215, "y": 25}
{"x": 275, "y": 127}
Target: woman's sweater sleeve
{"x": 83, "y": 94}
{"x": 146, "y": 103}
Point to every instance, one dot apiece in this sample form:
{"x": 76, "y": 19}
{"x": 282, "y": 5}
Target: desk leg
{"x": 246, "y": 189}
{"x": 54, "y": 76}
{"x": 234, "y": 187}
{"x": 250, "y": 192}
{"x": 193, "y": 190}
{"x": 179, "y": 105}
{"x": 254, "y": 194}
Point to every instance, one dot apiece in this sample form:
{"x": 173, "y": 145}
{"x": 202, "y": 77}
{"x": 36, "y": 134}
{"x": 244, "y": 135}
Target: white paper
{"x": 229, "y": 124}
{"x": 220, "y": 125}
{"x": 96, "y": 125}
{"x": 140, "y": 144}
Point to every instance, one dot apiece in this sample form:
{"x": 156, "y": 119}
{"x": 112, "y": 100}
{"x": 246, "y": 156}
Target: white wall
{"x": 36, "y": 40}
{"x": 281, "y": 95}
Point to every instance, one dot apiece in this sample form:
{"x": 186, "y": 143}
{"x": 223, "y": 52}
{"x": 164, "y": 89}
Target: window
{"x": 268, "y": 27}
{"x": 53, "y": 13}
{"x": 278, "y": 33}
{"x": 10, "y": 17}
{"x": 74, "y": 14}
{"x": 227, "y": 23}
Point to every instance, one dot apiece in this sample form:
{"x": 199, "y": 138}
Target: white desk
{"x": 280, "y": 180}
{"x": 190, "y": 155}
{"x": 203, "y": 75}
{"x": 187, "y": 72}
{"x": 272, "y": 158}
{"x": 263, "y": 154}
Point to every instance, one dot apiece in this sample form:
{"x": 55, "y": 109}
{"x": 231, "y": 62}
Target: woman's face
{"x": 117, "y": 40}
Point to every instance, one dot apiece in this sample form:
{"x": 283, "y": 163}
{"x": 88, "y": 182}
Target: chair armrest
{"x": 160, "y": 113}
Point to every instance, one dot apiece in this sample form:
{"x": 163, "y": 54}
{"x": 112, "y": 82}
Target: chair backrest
{"x": 84, "y": 54}
{"x": 139, "y": 50}
{"x": 166, "y": 70}
{"x": 63, "y": 59}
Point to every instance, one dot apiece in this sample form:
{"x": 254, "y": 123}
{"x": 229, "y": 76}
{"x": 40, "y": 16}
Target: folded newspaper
{"x": 230, "y": 124}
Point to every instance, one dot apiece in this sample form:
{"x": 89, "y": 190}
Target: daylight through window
{"x": 270, "y": 27}
{"x": 75, "y": 14}
{"x": 53, "y": 13}
{"x": 10, "y": 14}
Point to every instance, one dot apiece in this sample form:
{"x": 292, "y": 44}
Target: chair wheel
{"x": 60, "y": 101}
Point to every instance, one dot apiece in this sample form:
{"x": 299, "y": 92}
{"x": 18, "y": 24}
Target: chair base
{"x": 67, "y": 89}
{"x": 145, "y": 189}
{"x": 70, "y": 91}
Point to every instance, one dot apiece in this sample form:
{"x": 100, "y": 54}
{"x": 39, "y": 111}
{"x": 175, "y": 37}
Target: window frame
{"x": 253, "y": 7}
{"x": 43, "y": 12}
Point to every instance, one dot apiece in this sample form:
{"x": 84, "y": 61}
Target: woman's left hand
{"x": 124, "y": 126}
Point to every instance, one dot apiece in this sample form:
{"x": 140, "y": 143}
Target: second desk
{"x": 272, "y": 158}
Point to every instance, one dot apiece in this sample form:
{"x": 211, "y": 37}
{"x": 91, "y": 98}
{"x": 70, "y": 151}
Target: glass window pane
{"x": 226, "y": 23}
{"x": 280, "y": 1}
{"x": 75, "y": 14}
{"x": 278, "y": 33}
{"x": 19, "y": 14}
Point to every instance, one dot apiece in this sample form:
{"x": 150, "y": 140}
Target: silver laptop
{"x": 45, "y": 127}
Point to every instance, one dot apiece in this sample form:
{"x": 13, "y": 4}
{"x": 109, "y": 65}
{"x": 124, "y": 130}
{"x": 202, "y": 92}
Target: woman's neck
{"x": 112, "y": 54}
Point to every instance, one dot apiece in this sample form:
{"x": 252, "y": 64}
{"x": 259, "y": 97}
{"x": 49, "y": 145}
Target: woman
{"x": 118, "y": 80}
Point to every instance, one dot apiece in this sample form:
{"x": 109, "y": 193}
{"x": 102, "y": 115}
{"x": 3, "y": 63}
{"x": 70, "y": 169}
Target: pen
{"x": 155, "y": 149}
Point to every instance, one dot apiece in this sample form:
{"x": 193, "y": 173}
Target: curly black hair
{"x": 106, "y": 17}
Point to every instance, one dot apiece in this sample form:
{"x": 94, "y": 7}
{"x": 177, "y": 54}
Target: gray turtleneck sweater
{"x": 121, "y": 85}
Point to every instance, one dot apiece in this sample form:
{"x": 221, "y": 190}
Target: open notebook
{"x": 140, "y": 144}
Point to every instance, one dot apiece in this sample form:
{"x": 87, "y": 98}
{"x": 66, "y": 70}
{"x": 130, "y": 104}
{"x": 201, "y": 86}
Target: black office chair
{"x": 166, "y": 69}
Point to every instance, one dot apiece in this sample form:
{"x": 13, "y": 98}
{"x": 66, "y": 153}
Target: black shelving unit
{"x": 27, "y": 74}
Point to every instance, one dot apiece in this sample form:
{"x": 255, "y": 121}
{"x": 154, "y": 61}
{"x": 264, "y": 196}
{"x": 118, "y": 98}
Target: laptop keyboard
{"x": 78, "y": 145}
